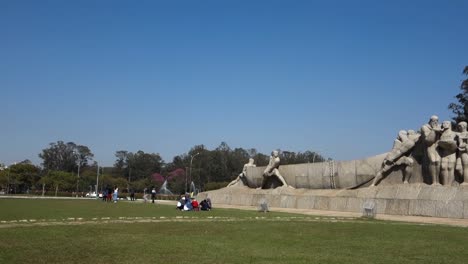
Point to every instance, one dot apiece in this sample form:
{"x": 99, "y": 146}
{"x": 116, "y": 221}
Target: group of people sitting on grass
{"x": 189, "y": 203}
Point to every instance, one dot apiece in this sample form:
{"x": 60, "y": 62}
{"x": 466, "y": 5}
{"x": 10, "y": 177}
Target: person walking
{"x": 116, "y": 194}
{"x": 153, "y": 194}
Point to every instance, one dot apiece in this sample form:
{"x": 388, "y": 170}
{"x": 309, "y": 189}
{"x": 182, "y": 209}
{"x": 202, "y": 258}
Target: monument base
{"x": 401, "y": 199}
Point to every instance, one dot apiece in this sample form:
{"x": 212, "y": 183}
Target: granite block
{"x": 397, "y": 207}
{"x": 322, "y": 203}
{"x": 338, "y": 203}
{"x": 422, "y": 207}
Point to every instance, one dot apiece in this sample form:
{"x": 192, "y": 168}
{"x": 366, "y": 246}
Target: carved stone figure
{"x": 241, "y": 177}
{"x": 462, "y": 140}
{"x": 447, "y": 147}
{"x": 431, "y": 134}
{"x": 402, "y": 146}
{"x": 272, "y": 169}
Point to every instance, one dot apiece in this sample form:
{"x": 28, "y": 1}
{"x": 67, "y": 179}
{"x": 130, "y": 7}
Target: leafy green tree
{"x": 460, "y": 109}
{"x": 106, "y": 181}
{"x": 59, "y": 180}
{"x": 65, "y": 156}
{"x": 139, "y": 165}
{"x": 24, "y": 176}
{"x": 176, "y": 181}
{"x": 88, "y": 178}
{"x": 4, "y": 180}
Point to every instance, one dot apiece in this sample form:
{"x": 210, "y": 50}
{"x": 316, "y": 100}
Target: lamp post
{"x": 191, "y": 160}
{"x": 97, "y": 180}
{"x": 78, "y": 175}
{"x": 8, "y": 184}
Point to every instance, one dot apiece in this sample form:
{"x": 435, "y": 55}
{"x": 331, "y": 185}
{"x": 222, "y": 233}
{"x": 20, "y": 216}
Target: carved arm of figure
{"x": 430, "y": 134}
{"x": 268, "y": 170}
{"x": 270, "y": 167}
{"x": 462, "y": 142}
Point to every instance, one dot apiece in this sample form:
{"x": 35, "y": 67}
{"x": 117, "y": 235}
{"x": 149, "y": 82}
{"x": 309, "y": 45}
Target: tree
{"x": 460, "y": 109}
{"x": 65, "y": 157}
{"x": 24, "y": 176}
{"x": 4, "y": 180}
{"x": 59, "y": 179}
{"x": 139, "y": 165}
{"x": 176, "y": 180}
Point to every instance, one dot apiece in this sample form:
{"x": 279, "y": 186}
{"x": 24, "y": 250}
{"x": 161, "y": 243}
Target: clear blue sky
{"x": 339, "y": 77}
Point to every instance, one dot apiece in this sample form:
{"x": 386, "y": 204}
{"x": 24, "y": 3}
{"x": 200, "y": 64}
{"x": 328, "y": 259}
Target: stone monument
{"x": 424, "y": 174}
{"x": 399, "y": 156}
{"x": 241, "y": 178}
{"x": 272, "y": 171}
{"x": 462, "y": 141}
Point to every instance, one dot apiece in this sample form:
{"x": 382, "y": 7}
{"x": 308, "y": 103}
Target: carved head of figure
{"x": 413, "y": 135}
{"x": 251, "y": 161}
{"x": 462, "y": 126}
{"x": 275, "y": 153}
{"x": 434, "y": 121}
{"x": 447, "y": 125}
{"x": 402, "y": 135}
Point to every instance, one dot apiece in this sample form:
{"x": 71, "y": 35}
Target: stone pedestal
{"x": 401, "y": 199}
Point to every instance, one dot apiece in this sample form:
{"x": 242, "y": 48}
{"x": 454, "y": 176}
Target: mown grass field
{"x": 89, "y": 231}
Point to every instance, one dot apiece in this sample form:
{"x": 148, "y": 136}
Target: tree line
{"x": 69, "y": 167}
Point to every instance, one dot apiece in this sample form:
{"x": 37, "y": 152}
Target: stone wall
{"x": 403, "y": 199}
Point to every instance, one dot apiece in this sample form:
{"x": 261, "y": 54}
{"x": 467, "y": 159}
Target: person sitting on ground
{"x": 195, "y": 205}
{"x": 188, "y": 203}
{"x": 181, "y": 203}
{"x": 204, "y": 205}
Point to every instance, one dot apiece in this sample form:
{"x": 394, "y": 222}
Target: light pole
{"x": 97, "y": 180}
{"x": 8, "y": 184}
{"x": 191, "y": 160}
{"x": 78, "y": 176}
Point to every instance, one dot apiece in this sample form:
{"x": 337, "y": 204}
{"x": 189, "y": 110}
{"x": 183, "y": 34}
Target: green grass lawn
{"x": 145, "y": 233}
